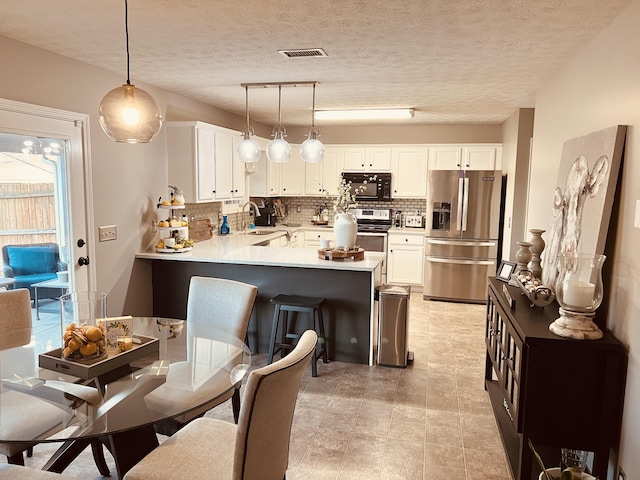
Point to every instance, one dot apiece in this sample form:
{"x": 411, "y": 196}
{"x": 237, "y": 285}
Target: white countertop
{"x": 240, "y": 248}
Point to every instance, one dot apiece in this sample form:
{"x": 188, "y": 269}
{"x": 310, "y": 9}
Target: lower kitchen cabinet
{"x": 312, "y": 237}
{"x": 405, "y": 256}
{"x": 556, "y": 392}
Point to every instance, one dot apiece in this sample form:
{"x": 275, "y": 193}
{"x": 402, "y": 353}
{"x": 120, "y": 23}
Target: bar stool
{"x": 295, "y": 303}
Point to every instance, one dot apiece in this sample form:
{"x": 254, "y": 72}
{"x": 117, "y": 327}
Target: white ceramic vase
{"x": 345, "y": 230}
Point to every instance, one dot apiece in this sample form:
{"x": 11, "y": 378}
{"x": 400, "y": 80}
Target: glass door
{"x": 44, "y": 203}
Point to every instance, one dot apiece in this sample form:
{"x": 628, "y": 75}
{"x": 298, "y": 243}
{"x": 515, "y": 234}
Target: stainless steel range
{"x": 373, "y": 225}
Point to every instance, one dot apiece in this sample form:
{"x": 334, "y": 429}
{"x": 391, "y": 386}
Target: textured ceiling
{"x": 453, "y": 61}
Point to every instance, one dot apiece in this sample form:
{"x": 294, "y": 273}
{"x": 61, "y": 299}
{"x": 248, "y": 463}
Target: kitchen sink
{"x": 261, "y": 232}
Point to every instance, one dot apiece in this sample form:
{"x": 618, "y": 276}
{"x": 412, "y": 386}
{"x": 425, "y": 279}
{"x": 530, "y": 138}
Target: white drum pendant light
{"x": 129, "y": 114}
{"x": 312, "y": 149}
{"x": 248, "y": 149}
{"x": 278, "y": 150}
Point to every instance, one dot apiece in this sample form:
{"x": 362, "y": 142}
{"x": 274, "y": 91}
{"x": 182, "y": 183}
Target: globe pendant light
{"x": 129, "y": 114}
{"x": 248, "y": 149}
{"x": 312, "y": 149}
{"x": 278, "y": 150}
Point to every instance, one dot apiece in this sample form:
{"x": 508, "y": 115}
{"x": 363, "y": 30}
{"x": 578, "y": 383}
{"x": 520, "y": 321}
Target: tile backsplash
{"x": 299, "y": 210}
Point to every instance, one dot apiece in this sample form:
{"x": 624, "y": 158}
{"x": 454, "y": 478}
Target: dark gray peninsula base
{"x": 348, "y": 313}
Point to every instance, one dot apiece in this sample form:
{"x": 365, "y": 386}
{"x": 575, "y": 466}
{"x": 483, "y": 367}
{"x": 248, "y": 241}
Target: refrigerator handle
{"x": 460, "y": 198}
{"x": 466, "y": 204}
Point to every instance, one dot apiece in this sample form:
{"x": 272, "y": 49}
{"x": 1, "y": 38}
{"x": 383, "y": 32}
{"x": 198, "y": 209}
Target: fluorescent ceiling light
{"x": 375, "y": 114}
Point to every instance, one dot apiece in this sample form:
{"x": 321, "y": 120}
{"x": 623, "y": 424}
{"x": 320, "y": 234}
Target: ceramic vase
{"x": 523, "y": 256}
{"x": 537, "y": 247}
{"x": 345, "y": 230}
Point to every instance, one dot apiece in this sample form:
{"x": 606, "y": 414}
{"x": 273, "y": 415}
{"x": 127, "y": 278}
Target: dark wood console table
{"x": 555, "y": 391}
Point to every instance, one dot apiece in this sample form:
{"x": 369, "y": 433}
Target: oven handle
{"x": 459, "y": 262}
{"x": 372, "y": 234}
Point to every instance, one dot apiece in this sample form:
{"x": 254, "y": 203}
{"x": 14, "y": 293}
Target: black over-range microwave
{"x": 370, "y": 186}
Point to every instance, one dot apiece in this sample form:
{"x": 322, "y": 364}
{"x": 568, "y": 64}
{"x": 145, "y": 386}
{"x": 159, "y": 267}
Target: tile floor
{"x": 429, "y": 421}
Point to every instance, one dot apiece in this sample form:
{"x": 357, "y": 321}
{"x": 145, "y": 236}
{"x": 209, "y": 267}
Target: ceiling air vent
{"x": 303, "y": 53}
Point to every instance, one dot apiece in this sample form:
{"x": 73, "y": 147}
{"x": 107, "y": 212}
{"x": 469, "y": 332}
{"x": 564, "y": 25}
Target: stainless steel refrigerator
{"x": 462, "y": 231}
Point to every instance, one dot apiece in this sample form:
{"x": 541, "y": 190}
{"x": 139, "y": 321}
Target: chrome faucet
{"x": 255, "y": 208}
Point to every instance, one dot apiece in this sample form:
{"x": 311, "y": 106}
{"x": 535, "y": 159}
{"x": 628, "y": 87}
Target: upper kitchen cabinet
{"x": 326, "y": 173}
{"x": 409, "y": 171}
{"x": 466, "y": 157}
{"x": 367, "y": 159}
{"x": 271, "y": 179}
{"x": 201, "y": 161}
{"x": 292, "y": 174}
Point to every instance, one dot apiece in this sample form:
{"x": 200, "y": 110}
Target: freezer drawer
{"x": 444, "y": 247}
{"x": 457, "y": 279}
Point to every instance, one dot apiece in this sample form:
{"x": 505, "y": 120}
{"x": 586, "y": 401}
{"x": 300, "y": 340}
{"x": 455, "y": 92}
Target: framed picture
{"x": 505, "y": 270}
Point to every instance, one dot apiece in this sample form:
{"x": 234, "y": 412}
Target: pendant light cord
{"x": 280, "y": 107}
{"x": 246, "y": 104}
{"x": 313, "y": 108}
{"x": 126, "y": 32}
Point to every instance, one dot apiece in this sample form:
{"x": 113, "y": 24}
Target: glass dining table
{"x": 183, "y": 367}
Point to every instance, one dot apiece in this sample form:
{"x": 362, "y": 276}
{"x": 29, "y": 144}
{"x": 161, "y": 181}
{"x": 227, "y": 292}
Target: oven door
{"x": 374, "y": 242}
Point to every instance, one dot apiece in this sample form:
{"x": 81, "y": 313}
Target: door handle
{"x": 82, "y": 261}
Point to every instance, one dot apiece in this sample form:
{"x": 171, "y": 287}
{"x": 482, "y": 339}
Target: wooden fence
{"x": 27, "y": 213}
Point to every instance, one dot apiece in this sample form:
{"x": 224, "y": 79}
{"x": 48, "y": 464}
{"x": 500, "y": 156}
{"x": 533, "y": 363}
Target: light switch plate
{"x": 107, "y": 233}
{"x": 636, "y": 221}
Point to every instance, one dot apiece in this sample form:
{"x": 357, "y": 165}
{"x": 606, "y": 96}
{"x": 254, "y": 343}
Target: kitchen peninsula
{"x": 348, "y": 286}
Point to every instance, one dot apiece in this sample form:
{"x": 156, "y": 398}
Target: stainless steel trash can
{"x": 393, "y": 320}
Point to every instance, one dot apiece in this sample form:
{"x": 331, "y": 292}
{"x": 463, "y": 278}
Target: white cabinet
{"x": 325, "y": 174}
{"x": 271, "y": 179}
{"x": 297, "y": 239}
{"x": 367, "y": 159}
{"x": 405, "y": 257}
{"x": 201, "y": 162}
{"x": 312, "y": 237}
{"x": 467, "y": 157}
{"x": 409, "y": 171}
{"x": 482, "y": 157}
{"x": 292, "y": 174}
{"x": 239, "y": 170}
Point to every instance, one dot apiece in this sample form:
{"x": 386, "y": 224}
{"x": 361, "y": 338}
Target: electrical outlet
{"x": 107, "y": 233}
{"x": 621, "y": 474}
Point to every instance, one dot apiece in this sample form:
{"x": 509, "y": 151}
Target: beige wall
{"x": 599, "y": 88}
{"x": 516, "y": 147}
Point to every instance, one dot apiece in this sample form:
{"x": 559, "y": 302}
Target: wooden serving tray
{"x": 333, "y": 254}
{"x": 53, "y": 360}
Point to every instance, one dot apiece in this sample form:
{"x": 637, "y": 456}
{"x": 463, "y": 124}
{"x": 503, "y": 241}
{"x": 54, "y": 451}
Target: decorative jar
{"x": 537, "y": 247}
{"x": 345, "y": 230}
{"x": 523, "y": 256}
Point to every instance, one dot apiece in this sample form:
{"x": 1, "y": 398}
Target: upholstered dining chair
{"x": 225, "y": 305}
{"x": 29, "y": 416}
{"x": 255, "y": 449}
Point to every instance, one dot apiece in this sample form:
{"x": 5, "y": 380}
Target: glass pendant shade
{"x": 312, "y": 150}
{"x": 248, "y": 150}
{"x": 278, "y": 149}
{"x": 130, "y": 115}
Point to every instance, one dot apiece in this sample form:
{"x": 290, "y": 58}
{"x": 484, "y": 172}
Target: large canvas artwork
{"x": 583, "y": 196}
